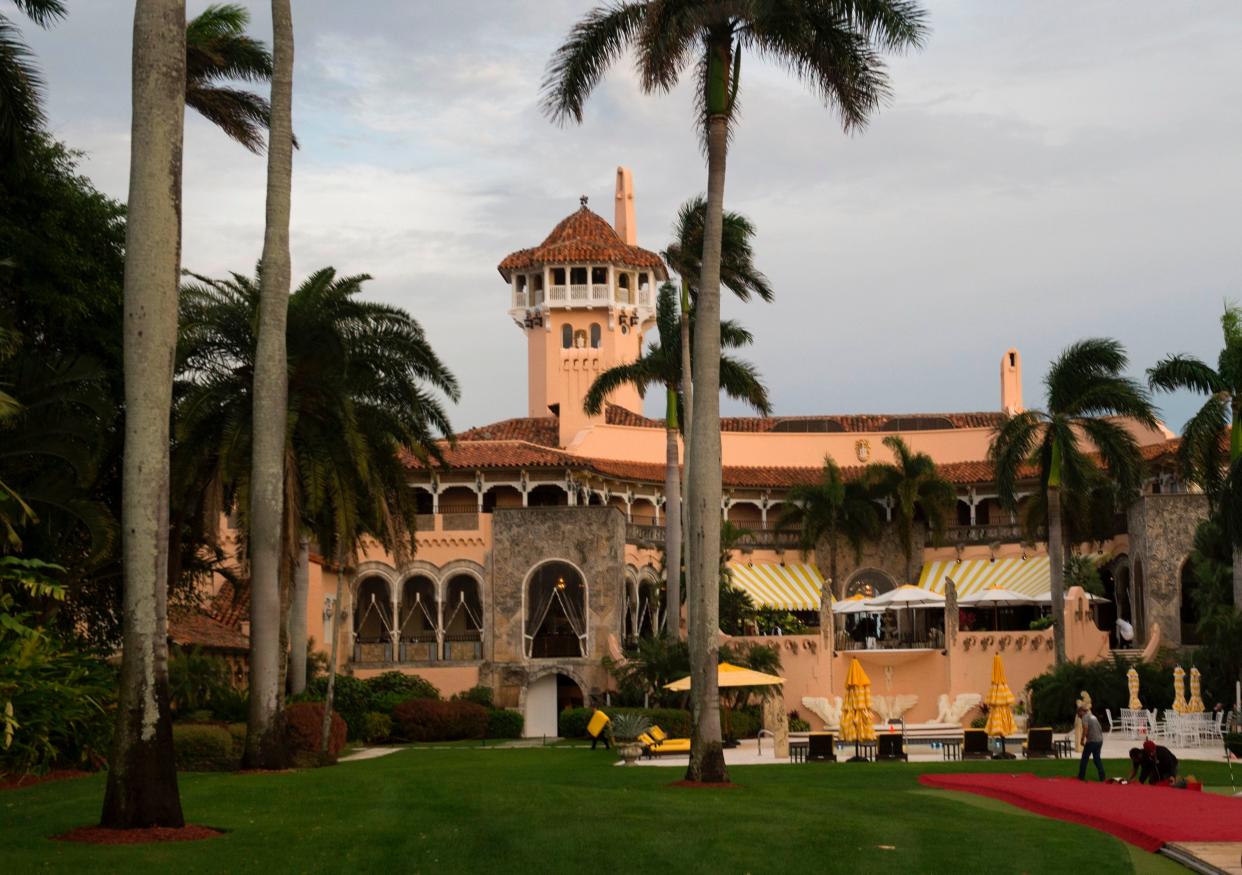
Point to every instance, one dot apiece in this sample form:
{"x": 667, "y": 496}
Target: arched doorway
{"x": 556, "y": 612}
{"x": 373, "y": 621}
{"x": 869, "y": 582}
{"x": 1189, "y": 589}
{"x": 419, "y": 613}
{"x": 463, "y": 618}
{"x": 546, "y": 697}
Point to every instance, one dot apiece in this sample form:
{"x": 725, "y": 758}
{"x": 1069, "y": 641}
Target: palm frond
{"x": 593, "y": 45}
{"x": 21, "y": 92}
{"x": 42, "y": 12}
{"x": 1012, "y": 447}
{"x": 740, "y": 380}
{"x": 1184, "y": 372}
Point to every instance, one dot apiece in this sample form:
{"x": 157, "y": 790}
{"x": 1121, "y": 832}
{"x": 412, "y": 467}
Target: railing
{"x": 639, "y": 533}
{"x": 644, "y": 297}
{"x": 599, "y": 293}
{"x": 372, "y": 651}
{"x": 1007, "y": 533}
{"x": 519, "y": 300}
{"x": 463, "y": 646}
{"x": 636, "y": 533}
{"x": 847, "y": 643}
{"x": 420, "y": 649}
{"x": 459, "y": 522}
{"x": 579, "y": 292}
{"x": 537, "y": 297}
{"x": 556, "y": 293}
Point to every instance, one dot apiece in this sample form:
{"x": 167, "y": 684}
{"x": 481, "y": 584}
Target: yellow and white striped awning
{"x": 1028, "y": 576}
{"x": 794, "y": 586}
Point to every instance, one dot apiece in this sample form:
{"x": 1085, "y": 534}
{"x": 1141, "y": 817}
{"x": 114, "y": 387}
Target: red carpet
{"x": 1139, "y": 814}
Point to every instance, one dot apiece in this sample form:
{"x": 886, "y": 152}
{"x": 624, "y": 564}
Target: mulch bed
{"x": 98, "y": 835}
{"x": 703, "y": 785}
{"x": 15, "y": 783}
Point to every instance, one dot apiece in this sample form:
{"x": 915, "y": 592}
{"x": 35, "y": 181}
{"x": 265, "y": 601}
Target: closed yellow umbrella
{"x": 1179, "y": 690}
{"x": 1195, "y": 705}
{"x": 856, "y": 725}
{"x": 1132, "y": 681}
{"x": 1000, "y": 701}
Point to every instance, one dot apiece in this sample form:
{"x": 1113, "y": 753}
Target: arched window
{"x": 567, "y": 336}
{"x": 1190, "y": 607}
{"x": 373, "y": 621}
{"x": 869, "y": 582}
{"x": 419, "y": 613}
{"x": 463, "y": 618}
{"x": 595, "y": 335}
{"x": 650, "y": 608}
{"x": 547, "y": 495}
{"x": 556, "y": 612}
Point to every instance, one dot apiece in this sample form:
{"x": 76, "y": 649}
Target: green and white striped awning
{"x": 794, "y": 586}
{"x": 1028, "y": 576}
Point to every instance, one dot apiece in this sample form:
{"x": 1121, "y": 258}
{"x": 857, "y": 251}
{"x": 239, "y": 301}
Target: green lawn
{"x": 570, "y": 810}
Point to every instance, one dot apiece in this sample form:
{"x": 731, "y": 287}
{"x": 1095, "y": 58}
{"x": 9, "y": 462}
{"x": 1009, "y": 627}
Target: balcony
{"x": 756, "y": 539}
{"x": 1008, "y": 533}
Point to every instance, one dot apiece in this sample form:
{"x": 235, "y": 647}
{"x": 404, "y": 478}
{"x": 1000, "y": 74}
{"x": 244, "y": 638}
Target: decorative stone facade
{"x": 883, "y": 555}
{"x": 1162, "y": 532}
{"x": 592, "y": 539}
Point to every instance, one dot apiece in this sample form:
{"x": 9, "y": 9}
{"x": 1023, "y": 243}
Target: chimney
{"x": 1011, "y": 382}
{"x": 624, "y": 223}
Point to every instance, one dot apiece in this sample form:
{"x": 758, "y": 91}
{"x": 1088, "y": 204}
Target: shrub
{"x": 411, "y": 686}
{"x": 572, "y": 722}
{"x": 304, "y": 732}
{"x": 230, "y": 705}
{"x": 376, "y": 727}
{"x": 1055, "y": 693}
{"x": 237, "y": 731}
{"x": 503, "y": 723}
{"x": 797, "y": 724}
{"x": 478, "y": 695}
{"x": 745, "y": 723}
{"x": 386, "y": 702}
{"x": 195, "y": 680}
{"x": 203, "y": 747}
{"x": 432, "y": 720}
{"x": 351, "y": 698}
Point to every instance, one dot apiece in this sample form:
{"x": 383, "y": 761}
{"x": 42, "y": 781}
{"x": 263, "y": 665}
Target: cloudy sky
{"x": 1046, "y": 171}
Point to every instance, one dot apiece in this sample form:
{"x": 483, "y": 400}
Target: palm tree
{"x": 363, "y": 384}
{"x": 264, "y": 744}
{"x": 832, "y": 510}
{"x": 142, "y": 776}
{"x": 218, "y": 48}
{"x": 836, "y": 50}
{"x": 661, "y": 365}
{"x": 1086, "y": 389}
{"x": 914, "y": 484}
{"x": 21, "y": 86}
{"x": 738, "y": 272}
{"x": 1201, "y": 455}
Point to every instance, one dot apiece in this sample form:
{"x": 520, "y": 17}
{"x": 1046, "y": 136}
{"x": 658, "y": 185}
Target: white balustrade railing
{"x": 599, "y": 293}
{"x": 644, "y": 297}
{"x": 519, "y": 299}
{"x": 556, "y": 293}
{"x": 578, "y": 292}
{"x": 538, "y": 297}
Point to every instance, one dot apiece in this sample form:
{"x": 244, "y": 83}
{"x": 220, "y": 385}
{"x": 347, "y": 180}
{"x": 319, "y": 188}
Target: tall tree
{"x": 661, "y": 365}
{"x": 835, "y": 48}
{"x": 1202, "y": 456}
{"x": 142, "y": 777}
{"x": 832, "y": 511}
{"x": 915, "y": 486}
{"x": 364, "y": 385}
{"x": 1087, "y": 391}
{"x": 218, "y": 50}
{"x": 21, "y": 86}
{"x": 264, "y": 744}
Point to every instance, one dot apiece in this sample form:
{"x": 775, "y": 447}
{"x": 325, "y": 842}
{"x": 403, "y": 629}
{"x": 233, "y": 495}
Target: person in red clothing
{"x": 1154, "y": 764}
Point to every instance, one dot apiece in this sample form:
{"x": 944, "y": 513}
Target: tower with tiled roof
{"x": 583, "y": 298}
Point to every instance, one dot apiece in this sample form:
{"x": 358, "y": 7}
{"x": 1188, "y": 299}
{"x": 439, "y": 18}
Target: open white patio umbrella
{"x": 855, "y": 604}
{"x": 996, "y": 597}
{"x": 906, "y": 596}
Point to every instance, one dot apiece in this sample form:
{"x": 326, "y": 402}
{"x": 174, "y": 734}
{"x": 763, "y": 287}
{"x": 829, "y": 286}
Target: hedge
{"x": 376, "y": 727}
{"x": 503, "y": 723}
{"x": 203, "y": 747}
{"x": 353, "y": 699}
{"x": 304, "y": 732}
{"x": 572, "y": 722}
{"x": 429, "y": 720}
{"x": 1054, "y": 694}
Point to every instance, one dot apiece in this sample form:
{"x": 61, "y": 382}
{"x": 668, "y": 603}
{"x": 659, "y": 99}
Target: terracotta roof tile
{"x": 191, "y": 628}
{"x": 501, "y": 454}
{"x": 582, "y": 236}
{"x": 867, "y": 422}
{"x": 541, "y": 430}
{"x": 230, "y": 606}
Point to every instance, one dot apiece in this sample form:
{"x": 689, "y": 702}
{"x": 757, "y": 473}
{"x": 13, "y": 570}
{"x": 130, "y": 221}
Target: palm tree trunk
{"x": 687, "y": 383}
{"x": 1056, "y": 571}
{"x": 264, "y": 745}
{"x": 142, "y": 778}
{"x": 297, "y": 620}
{"x": 338, "y": 614}
{"x": 707, "y": 763}
{"x": 825, "y": 597}
{"x": 672, "y": 524}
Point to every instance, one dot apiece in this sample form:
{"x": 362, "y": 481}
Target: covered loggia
{"x": 556, "y": 612}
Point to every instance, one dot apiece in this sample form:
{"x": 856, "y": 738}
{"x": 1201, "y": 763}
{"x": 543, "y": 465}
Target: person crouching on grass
{"x": 1154, "y": 764}
{"x": 1092, "y": 742}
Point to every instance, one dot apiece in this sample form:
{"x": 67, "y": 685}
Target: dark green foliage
{"x": 770, "y": 619}
{"x": 478, "y": 695}
{"x": 384, "y": 703}
{"x": 376, "y": 727}
{"x": 237, "y": 732}
{"x": 304, "y": 732}
{"x": 656, "y": 662}
{"x": 351, "y": 698}
{"x": 195, "y": 680}
{"x": 430, "y": 720}
{"x": 230, "y": 705}
{"x": 1219, "y": 655}
{"x": 411, "y": 686}
{"x": 744, "y": 723}
{"x": 203, "y": 747}
{"x": 504, "y": 723}
{"x": 797, "y": 724}
{"x": 1054, "y": 693}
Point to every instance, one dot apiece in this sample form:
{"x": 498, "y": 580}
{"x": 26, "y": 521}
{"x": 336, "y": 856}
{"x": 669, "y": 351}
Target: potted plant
{"x": 625, "y": 728}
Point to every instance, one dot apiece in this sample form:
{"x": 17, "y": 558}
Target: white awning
{"x": 794, "y": 586}
{"x": 1029, "y": 576}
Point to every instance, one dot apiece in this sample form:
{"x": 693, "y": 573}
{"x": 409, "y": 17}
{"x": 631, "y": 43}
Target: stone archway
{"x": 869, "y": 582}
{"x": 546, "y": 693}
{"x": 555, "y": 613}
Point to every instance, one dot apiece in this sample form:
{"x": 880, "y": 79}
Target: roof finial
{"x": 583, "y": 200}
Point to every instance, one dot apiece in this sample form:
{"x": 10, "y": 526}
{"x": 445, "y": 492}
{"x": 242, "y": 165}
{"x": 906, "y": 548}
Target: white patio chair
{"x": 1154, "y": 729}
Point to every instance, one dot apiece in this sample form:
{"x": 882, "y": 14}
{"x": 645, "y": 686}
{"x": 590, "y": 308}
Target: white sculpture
{"x": 962, "y": 705}
{"x": 825, "y": 710}
{"x": 893, "y": 707}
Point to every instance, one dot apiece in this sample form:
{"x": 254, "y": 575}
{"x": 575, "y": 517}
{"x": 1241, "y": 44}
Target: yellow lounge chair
{"x": 662, "y": 744}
